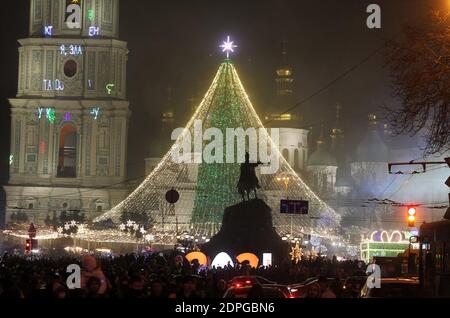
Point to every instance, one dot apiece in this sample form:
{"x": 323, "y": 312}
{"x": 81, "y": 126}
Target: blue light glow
{"x": 70, "y": 50}
{"x": 48, "y": 30}
{"x": 95, "y": 111}
{"x": 50, "y": 85}
{"x": 93, "y": 30}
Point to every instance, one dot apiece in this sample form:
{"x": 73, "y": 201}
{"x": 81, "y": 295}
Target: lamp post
{"x": 285, "y": 179}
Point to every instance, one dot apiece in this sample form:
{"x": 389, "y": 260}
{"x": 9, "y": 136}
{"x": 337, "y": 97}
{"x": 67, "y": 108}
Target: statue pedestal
{"x": 247, "y": 227}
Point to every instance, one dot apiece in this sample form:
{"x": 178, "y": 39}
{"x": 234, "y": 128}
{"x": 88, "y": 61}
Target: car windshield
{"x": 395, "y": 290}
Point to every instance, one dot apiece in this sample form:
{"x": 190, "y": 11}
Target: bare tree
{"x": 419, "y": 64}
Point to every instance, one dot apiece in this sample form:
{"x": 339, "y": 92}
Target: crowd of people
{"x": 153, "y": 276}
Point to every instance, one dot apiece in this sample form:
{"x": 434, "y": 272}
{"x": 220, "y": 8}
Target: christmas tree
{"x": 207, "y": 188}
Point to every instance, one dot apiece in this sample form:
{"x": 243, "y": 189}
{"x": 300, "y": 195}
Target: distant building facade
{"x": 70, "y": 116}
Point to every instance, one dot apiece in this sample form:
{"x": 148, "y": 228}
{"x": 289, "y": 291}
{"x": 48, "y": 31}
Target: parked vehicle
{"x": 399, "y": 287}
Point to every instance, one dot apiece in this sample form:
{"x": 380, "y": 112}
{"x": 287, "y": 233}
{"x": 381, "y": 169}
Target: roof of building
{"x": 372, "y": 148}
{"x": 321, "y": 157}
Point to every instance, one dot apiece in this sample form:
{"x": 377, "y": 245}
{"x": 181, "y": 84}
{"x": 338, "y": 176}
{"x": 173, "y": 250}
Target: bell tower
{"x": 70, "y": 116}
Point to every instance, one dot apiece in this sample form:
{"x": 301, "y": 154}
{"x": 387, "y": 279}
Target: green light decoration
{"x": 91, "y": 15}
{"x": 110, "y": 88}
{"x": 216, "y": 185}
{"x": 51, "y": 115}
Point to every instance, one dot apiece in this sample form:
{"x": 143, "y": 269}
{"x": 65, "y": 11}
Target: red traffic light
{"x": 28, "y": 246}
{"x": 412, "y": 211}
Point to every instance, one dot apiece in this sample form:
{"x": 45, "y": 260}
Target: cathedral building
{"x": 293, "y": 143}
{"x": 69, "y": 120}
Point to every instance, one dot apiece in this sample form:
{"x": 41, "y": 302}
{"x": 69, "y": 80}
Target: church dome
{"x": 344, "y": 177}
{"x": 321, "y": 157}
{"x": 372, "y": 148}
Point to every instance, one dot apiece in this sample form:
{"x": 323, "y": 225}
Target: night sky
{"x": 175, "y": 44}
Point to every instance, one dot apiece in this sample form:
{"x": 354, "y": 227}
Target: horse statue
{"x": 248, "y": 181}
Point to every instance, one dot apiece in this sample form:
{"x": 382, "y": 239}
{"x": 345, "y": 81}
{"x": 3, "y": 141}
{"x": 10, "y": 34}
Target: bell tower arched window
{"x": 67, "y": 158}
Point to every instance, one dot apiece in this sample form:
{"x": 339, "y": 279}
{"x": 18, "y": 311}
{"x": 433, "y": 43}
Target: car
{"x": 298, "y": 290}
{"x": 352, "y": 286}
{"x": 398, "y": 287}
{"x": 241, "y": 281}
{"x": 301, "y": 290}
{"x": 268, "y": 291}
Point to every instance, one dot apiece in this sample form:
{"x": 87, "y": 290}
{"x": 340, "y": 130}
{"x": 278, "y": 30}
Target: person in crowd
{"x": 325, "y": 290}
{"x": 157, "y": 289}
{"x": 92, "y": 269}
{"x": 313, "y": 291}
{"x": 136, "y": 288}
{"x": 92, "y": 288}
{"x": 188, "y": 290}
{"x": 221, "y": 288}
{"x": 60, "y": 293}
{"x": 155, "y": 276}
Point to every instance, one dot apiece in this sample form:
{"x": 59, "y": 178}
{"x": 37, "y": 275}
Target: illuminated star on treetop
{"x": 228, "y": 46}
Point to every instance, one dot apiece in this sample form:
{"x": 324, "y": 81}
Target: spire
{"x": 321, "y": 157}
{"x": 167, "y": 122}
{"x": 372, "y": 122}
{"x": 336, "y": 131}
{"x": 284, "y": 78}
{"x": 284, "y": 53}
{"x": 321, "y": 139}
{"x": 168, "y": 115}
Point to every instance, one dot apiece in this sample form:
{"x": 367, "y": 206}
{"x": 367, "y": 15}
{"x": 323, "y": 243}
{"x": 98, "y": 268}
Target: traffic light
{"x": 28, "y": 246}
{"x": 411, "y": 216}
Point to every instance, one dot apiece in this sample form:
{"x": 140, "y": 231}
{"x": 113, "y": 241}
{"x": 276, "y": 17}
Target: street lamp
{"x": 285, "y": 180}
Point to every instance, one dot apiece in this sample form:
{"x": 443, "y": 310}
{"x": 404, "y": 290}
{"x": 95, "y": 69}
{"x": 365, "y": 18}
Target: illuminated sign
{"x": 73, "y": 14}
{"x": 91, "y": 15}
{"x": 95, "y": 111}
{"x": 70, "y": 50}
{"x": 50, "y": 85}
{"x": 199, "y": 256}
{"x": 49, "y": 112}
{"x": 251, "y": 258}
{"x": 382, "y": 243}
{"x": 267, "y": 259}
{"x": 109, "y": 88}
{"x": 383, "y": 236}
{"x": 294, "y": 206}
{"x": 48, "y": 30}
{"x": 93, "y": 30}
{"x": 221, "y": 260}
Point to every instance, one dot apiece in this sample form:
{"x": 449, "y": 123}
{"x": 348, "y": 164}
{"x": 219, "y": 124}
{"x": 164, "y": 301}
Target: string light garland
{"x": 225, "y": 105}
{"x": 296, "y": 253}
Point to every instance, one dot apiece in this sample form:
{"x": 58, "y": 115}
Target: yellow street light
{"x": 285, "y": 180}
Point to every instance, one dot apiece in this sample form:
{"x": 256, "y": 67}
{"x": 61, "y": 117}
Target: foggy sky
{"x": 175, "y": 43}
